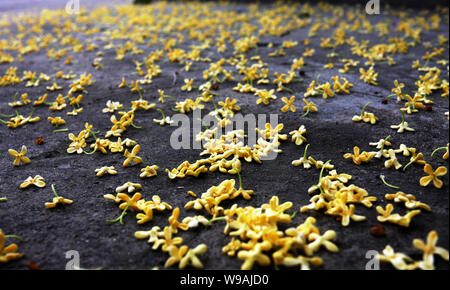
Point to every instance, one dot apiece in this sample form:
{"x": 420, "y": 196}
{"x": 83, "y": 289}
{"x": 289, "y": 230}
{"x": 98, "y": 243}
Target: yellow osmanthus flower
{"x": 111, "y": 107}
{"x": 56, "y": 121}
{"x": 40, "y": 100}
{"x": 369, "y": 76}
{"x": 174, "y": 223}
{"x": 58, "y": 200}
{"x": 105, "y": 170}
{"x": 255, "y": 255}
{"x": 149, "y": 171}
{"x": 271, "y": 133}
{"x": 190, "y": 258}
{"x": 387, "y": 216}
{"x": 399, "y": 260}
{"x": 289, "y": 104}
{"x": 393, "y": 161}
{"x": 297, "y": 135}
{"x": 358, "y": 157}
{"x": 230, "y": 105}
{"x": 123, "y": 83}
{"x": 37, "y": 181}
{"x": 265, "y": 96}
{"x": 132, "y": 156}
{"x": 78, "y": 143}
{"x": 129, "y": 187}
{"x": 309, "y": 107}
{"x": 433, "y": 176}
{"x": 429, "y": 250}
{"x": 187, "y": 85}
{"x": 398, "y": 90}
{"x": 186, "y": 168}
{"x": 409, "y": 200}
{"x": 19, "y": 156}
{"x": 195, "y": 221}
{"x": 326, "y": 90}
{"x": 8, "y": 253}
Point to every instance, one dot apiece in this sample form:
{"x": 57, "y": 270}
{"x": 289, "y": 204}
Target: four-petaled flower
{"x": 149, "y": 171}
{"x": 8, "y": 253}
{"x": 19, "y": 156}
{"x": 429, "y": 250}
{"x": 289, "y": 104}
{"x": 105, "y": 169}
{"x": 37, "y": 181}
{"x": 433, "y": 175}
{"x": 358, "y": 158}
{"x": 131, "y": 156}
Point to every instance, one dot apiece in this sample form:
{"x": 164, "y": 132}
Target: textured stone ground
{"x": 82, "y": 226}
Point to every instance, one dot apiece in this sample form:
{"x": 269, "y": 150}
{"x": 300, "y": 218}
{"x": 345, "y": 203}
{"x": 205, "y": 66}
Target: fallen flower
{"x": 57, "y": 200}
{"x": 387, "y": 216}
{"x": 37, "y": 181}
{"x": 429, "y": 250}
{"x": 105, "y": 169}
{"x": 433, "y": 176}
{"x": 8, "y": 253}
{"x": 19, "y": 156}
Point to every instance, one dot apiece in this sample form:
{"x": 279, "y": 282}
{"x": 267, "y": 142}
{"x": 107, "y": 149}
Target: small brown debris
{"x": 384, "y": 102}
{"x": 32, "y": 265}
{"x": 215, "y": 87}
{"x": 428, "y": 108}
{"x": 39, "y": 141}
{"x": 378, "y": 231}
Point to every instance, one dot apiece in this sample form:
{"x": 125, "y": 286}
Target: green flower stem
{"x": 384, "y": 142}
{"x": 293, "y": 215}
{"x": 15, "y": 96}
{"x": 410, "y": 162}
{"x": 307, "y": 112}
{"x": 214, "y": 103}
{"x": 93, "y": 134}
{"x": 288, "y": 89}
{"x": 32, "y": 111}
{"x": 387, "y": 184}
{"x": 403, "y": 118}
{"x": 3, "y": 199}
{"x": 61, "y": 130}
{"x": 203, "y": 123}
{"x": 317, "y": 79}
{"x": 162, "y": 113}
{"x": 391, "y": 95}
{"x": 240, "y": 180}
{"x": 140, "y": 94}
{"x": 437, "y": 149}
{"x": 3, "y": 121}
{"x": 321, "y": 170}
{"x": 54, "y": 190}
{"x": 222, "y": 218}
{"x": 137, "y": 127}
{"x": 14, "y": 237}
{"x": 6, "y": 116}
{"x": 142, "y": 161}
{"x": 306, "y": 150}
{"x": 90, "y": 153}
{"x": 364, "y": 108}
{"x": 321, "y": 174}
{"x": 120, "y": 218}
